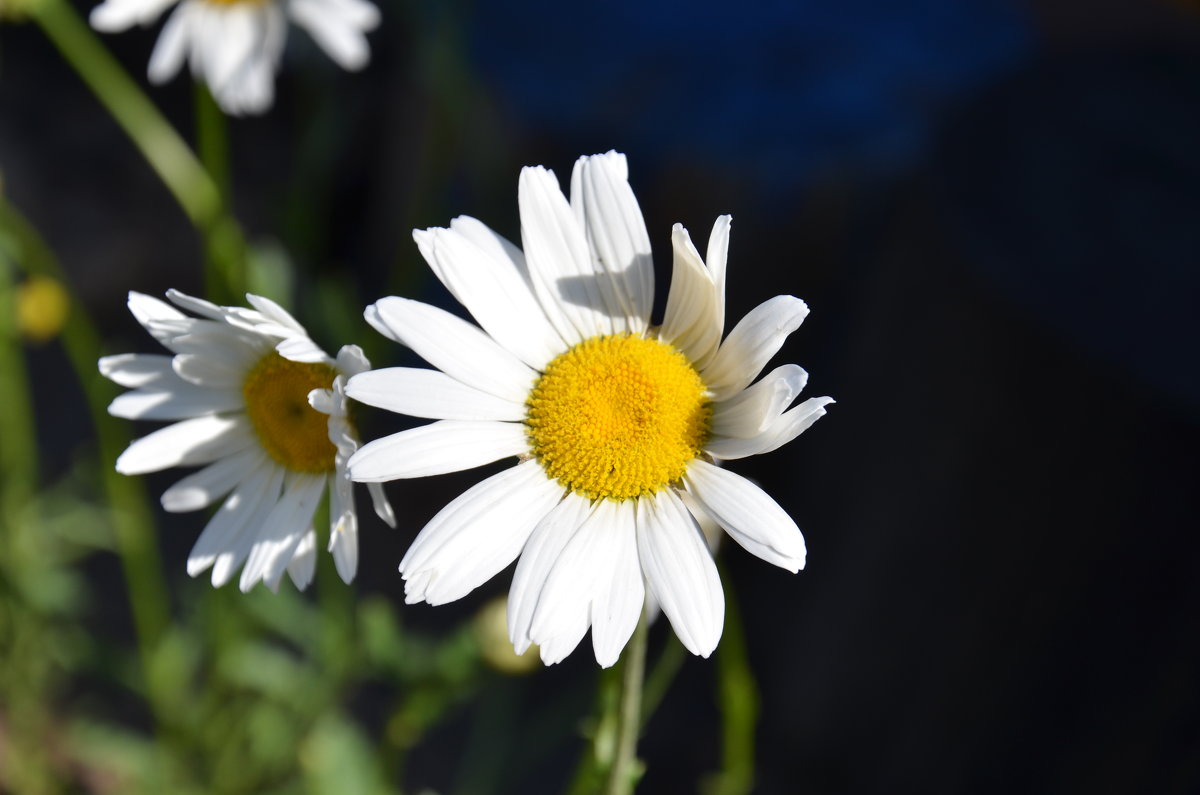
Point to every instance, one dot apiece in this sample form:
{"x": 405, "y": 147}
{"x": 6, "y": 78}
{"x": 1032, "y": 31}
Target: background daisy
{"x": 235, "y": 46}
{"x": 617, "y": 424}
{"x": 262, "y": 408}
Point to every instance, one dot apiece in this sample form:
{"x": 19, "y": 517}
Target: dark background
{"x": 993, "y": 210}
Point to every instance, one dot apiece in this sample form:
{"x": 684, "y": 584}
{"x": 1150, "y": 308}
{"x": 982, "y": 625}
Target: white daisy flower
{"x": 618, "y": 425}
{"x": 265, "y": 409}
{"x": 235, "y": 45}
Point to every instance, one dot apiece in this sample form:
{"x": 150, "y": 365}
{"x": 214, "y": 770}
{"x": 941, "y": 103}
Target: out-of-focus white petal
{"x": 334, "y": 31}
{"x": 187, "y": 443}
{"x": 135, "y": 370}
{"x": 304, "y": 561}
{"x": 282, "y": 530}
{"x": 176, "y": 404}
{"x": 171, "y": 48}
{"x": 201, "y": 489}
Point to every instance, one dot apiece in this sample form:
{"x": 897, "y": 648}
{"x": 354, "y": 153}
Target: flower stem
{"x": 132, "y": 523}
{"x": 158, "y": 142}
{"x": 224, "y": 252}
{"x": 626, "y": 770}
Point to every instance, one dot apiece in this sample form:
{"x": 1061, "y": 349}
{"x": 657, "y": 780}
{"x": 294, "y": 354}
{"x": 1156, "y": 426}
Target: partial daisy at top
{"x": 235, "y": 46}
{"x": 264, "y": 411}
{"x": 618, "y": 426}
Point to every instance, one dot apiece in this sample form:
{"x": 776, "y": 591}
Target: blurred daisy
{"x": 235, "y": 45}
{"x": 617, "y": 425}
{"x": 265, "y": 409}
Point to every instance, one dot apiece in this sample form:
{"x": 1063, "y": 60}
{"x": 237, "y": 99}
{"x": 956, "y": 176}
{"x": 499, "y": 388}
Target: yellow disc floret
{"x": 618, "y": 417}
{"x": 292, "y": 432}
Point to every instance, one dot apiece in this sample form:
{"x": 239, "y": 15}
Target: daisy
{"x": 618, "y": 426}
{"x": 265, "y": 410}
{"x": 235, "y": 45}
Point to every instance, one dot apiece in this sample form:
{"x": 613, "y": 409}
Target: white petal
{"x": 174, "y": 404}
{"x": 282, "y": 530}
{"x": 201, "y": 489}
{"x": 302, "y": 349}
{"x": 379, "y": 500}
{"x": 477, "y": 534}
{"x": 564, "y": 279}
{"x": 229, "y": 533}
{"x": 343, "y": 529}
{"x": 537, "y": 559}
{"x": 496, "y": 291}
{"x": 619, "y": 598}
{"x": 751, "y": 344}
{"x": 171, "y": 47}
{"x": 187, "y": 443}
{"x": 692, "y": 321}
{"x": 585, "y": 580}
{"x": 304, "y": 560}
{"x": 716, "y": 259}
{"x": 616, "y": 234}
{"x": 273, "y": 312}
{"x": 747, "y": 513}
{"x": 148, "y": 310}
{"x": 782, "y": 430}
{"x": 137, "y": 369}
{"x": 752, "y": 410}
{"x": 437, "y": 448}
{"x": 238, "y": 28}
{"x": 117, "y": 15}
{"x": 198, "y": 306}
{"x": 454, "y": 346}
{"x": 421, "y": 392}
{"x": 338, "y": 37}
{"x": 680, "y": 571}
{"x": 351, "y": 361}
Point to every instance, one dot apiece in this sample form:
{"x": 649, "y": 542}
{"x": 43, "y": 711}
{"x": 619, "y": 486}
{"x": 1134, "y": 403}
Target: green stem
{"x": 132, "y": 523}
{"x": 669, "y": 661}
{"x": 738, "y": 697}
{"x": 158, "y": 142}
{"x": 625, "y": 769}
{"x": 18, "y": 454}
{"x": 224, "y": 254}
{"x": 202, "y": 199}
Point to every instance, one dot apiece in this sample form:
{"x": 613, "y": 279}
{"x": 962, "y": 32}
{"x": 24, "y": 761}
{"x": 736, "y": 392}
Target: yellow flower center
{"x": 292, "y": 432}
{"x": 618, "y": 417}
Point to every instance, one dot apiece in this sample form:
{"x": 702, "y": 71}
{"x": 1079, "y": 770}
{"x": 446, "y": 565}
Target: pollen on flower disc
{"x": 292, "y": 432}
{"x": 618, "y": 417}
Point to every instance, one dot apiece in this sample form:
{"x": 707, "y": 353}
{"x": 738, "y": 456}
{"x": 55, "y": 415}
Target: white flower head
{"x": 264, "y": 410}
{"x": 235, "y": 46}
{"x": 617, "y": 425}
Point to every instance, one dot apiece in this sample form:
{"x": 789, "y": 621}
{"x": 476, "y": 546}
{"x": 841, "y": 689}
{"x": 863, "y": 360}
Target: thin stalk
{"x": 661, "y": 675}
{"x": 625, "y": 771}
{"x": 18, "y": 454}
{"x": 158, "y": 142}
{"x": 738, "y": 696}
{"x": 224, "y": 251}
{"x": 132, "y": 522}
